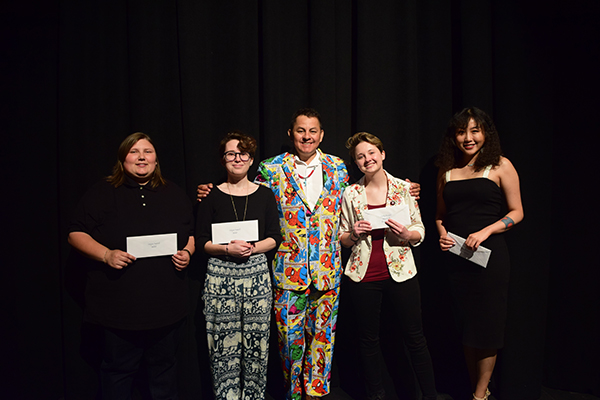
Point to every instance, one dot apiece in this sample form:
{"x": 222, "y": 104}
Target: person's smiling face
{"x": 140, "y": 162}
{"x": 368, "y": 157}
{"x": 470, "y": 140}
{"x": 306, "y": 135}
{"x": 236, "y": 168}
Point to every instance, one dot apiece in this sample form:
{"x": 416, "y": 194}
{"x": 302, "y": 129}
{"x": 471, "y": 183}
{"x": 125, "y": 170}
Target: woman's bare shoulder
{"x": 505, "y": 166}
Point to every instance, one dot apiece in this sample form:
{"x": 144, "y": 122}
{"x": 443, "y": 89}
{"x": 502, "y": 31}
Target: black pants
{"x": 123, "y": 353}
{"x": 405, "y": 299}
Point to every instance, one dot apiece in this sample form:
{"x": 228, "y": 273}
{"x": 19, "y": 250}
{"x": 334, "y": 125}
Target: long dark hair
{"x": 449, "y": 155}
{"x": 118, "y": 174}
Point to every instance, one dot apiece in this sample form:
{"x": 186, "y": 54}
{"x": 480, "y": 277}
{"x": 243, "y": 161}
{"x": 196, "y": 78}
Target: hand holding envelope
{"x": 480, "y": 256}
{"x": 118, "y": 259}
{"x": 379, "y": 216}
{"x": 152, "y": 245}
{"x": 401, "y": 231}
{"x": 226, "y": 232}
{"x": 236, "y": 236}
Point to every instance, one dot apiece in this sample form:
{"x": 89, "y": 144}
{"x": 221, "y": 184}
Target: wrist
{"x": 414, "y": 237}
{"x": 184, "y": 249}
{"x": 488, "y": 231}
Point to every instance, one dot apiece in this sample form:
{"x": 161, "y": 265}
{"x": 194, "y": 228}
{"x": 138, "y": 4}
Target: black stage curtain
{"x": 79, "y": 76}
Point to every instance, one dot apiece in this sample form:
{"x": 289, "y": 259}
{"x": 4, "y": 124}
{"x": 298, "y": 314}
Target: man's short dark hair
{"x": 307, "y": 112}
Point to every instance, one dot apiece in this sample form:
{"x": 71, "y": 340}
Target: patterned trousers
{"x": 238, "y": 301}
{"x": 306, "y": 331}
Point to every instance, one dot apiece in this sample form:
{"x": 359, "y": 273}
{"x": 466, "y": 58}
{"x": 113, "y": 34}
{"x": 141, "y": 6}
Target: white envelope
{"x": 378, "y": 216}
{"x": 152, "y": 245}
{"x": 225, "y": 232}
{"x": 481, "y": 256}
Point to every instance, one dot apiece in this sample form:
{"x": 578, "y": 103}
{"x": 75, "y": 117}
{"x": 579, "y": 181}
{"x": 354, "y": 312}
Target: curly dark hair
{"x": 246, "y": 143}
{"x": 449, "y": 154}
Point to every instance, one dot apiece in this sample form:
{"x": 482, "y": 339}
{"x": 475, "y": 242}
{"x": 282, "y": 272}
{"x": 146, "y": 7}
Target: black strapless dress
{"x": 480, "y": 293}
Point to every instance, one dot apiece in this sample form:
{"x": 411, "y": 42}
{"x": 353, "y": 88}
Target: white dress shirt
{"x": 310, "y": 178}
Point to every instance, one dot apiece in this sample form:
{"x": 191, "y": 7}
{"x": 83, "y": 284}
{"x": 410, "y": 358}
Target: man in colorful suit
{"x": 308, "y": 187}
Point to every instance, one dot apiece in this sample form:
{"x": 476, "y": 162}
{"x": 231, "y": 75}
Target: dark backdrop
{"x": 79, "y": 76}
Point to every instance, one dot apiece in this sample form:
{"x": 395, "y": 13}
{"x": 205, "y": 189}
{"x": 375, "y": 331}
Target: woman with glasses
{"x": 237, "y": 289}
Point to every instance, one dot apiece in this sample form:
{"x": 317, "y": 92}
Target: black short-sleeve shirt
{"x": 149, "y": 293}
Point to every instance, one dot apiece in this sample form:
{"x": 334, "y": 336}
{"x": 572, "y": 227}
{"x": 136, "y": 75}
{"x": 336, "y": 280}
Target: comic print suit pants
{"x": 306, "y": 331}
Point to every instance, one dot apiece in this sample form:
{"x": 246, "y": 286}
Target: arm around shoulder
{"x": 203, "y": 191}
{"x": 263, "y": 175}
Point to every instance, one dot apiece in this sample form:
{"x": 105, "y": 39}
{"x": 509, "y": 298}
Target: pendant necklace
{"x": 312, "y": 170}
{"x": 233, "y": 204}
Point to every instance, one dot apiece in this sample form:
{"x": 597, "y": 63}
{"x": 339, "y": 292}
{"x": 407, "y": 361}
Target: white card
{"x": 481, "y": 256}
{"x": 225, "y": 232}
{"x": 152, "y": 245}
{"x": 378, "y": 216}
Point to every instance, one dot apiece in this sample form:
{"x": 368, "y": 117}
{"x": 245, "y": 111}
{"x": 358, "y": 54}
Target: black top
{"x": 217, "y": 208}
{"x": 149, "y": 293}
{"x": 480, "y": 293}
{"x": 479, "y": 198}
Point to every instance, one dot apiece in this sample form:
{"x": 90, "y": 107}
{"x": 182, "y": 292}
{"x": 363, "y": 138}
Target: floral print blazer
{"x": 310, "y": 251}
{"x": 398, "y": 254}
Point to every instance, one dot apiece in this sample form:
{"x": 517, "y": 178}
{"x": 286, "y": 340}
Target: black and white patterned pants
{"x": 237, "y": 307}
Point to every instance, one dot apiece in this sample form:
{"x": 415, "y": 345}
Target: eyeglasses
{"x": 231, "y": 155}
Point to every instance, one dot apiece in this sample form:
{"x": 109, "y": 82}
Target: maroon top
{"x": 378, "y": 268}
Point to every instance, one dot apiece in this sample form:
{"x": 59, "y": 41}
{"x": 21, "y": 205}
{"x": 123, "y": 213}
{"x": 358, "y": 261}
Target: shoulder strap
{"x": 487, "y": 170}
{"x": 448, "y": 175}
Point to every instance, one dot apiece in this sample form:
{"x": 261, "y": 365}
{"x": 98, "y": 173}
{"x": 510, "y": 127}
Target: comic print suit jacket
{"x": 310, "y": 251}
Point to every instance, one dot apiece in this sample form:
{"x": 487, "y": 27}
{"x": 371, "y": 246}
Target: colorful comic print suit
{"x": 307, "y": 271}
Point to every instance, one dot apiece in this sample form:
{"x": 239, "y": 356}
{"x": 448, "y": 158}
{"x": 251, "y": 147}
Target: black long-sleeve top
{"x": 217, "y": 207}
